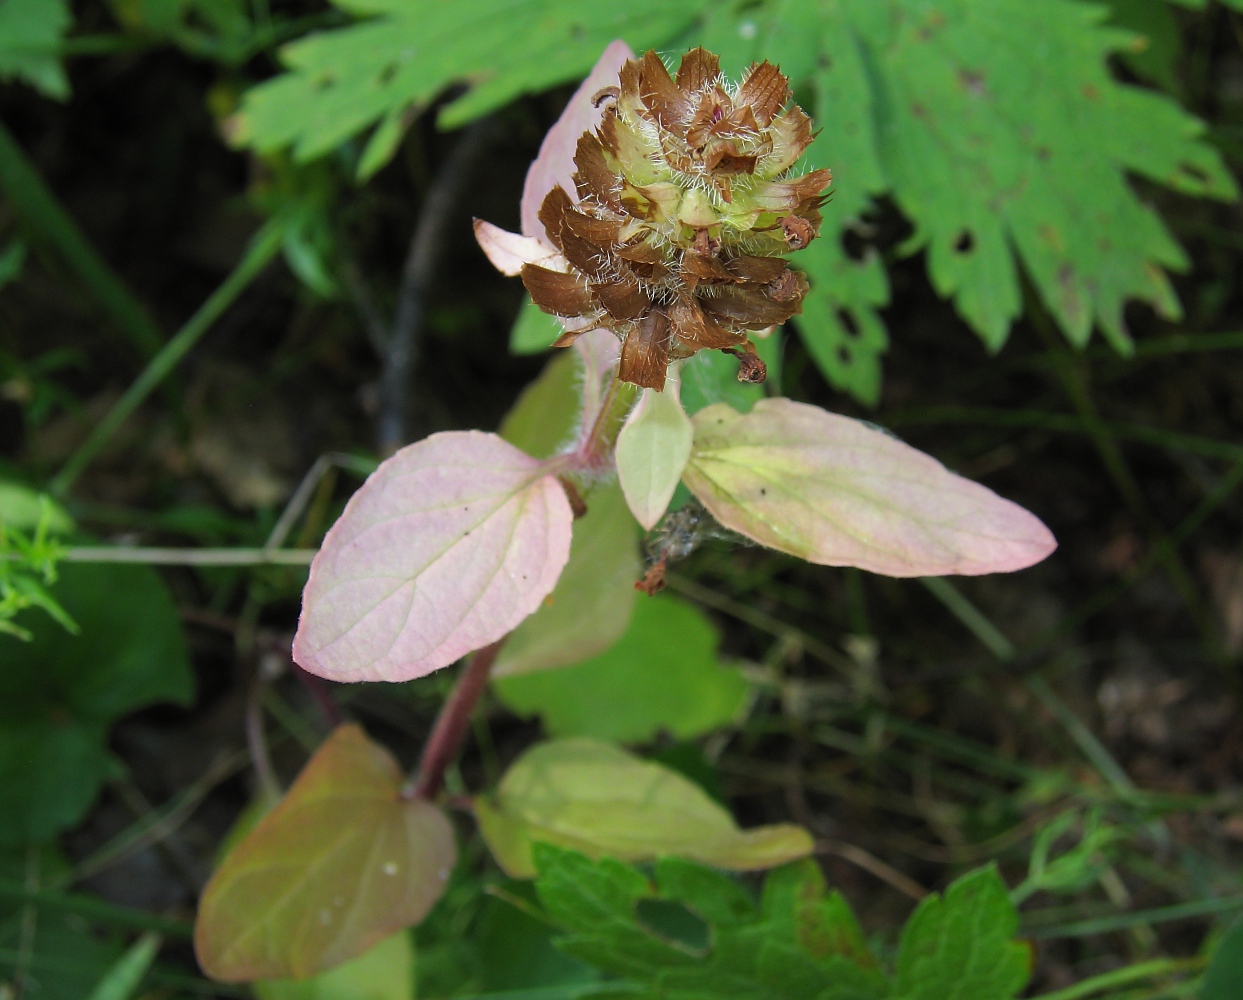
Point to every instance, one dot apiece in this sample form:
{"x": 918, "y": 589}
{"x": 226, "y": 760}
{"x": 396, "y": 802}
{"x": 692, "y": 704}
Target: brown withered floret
{"x": 685, "y": 204}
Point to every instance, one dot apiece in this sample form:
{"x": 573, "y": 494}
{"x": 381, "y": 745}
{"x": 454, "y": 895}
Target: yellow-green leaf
{"x": 652, "y": 450}
{"x": 342, "y": 863}
{"x": 386, "y": 972}
{"x": 600, "y": 800}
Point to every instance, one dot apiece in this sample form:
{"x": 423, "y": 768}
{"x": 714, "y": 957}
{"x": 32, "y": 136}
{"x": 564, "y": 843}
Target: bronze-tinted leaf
{"x": 723, "y": 160}
{"x": 552, "y": 213}
{"x": 557, "y": 293}
{"x": 593, "y": 178}
{"x": 747, "y": 307}
{"x": 668, "y": 106}
{"x": 340, "y": 864}
{"x": 645, "y": 352}
{"x": 791, "y": 134}
{"x": 760, "y": 270}
{"x": 694, "y": 329}
{"x": 602, "y": 232}
{"x": 699, "y": 69}
{"x": 766, "y": 90}
{"x": 624, "y": 300}
{"x": 701, "y": 267}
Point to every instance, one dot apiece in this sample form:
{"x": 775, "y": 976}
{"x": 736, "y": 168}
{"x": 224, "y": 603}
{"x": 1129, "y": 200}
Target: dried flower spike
{"x": 685, "y": 205}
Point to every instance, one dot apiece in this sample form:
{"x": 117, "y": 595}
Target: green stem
{"x": 1123, "y": 977}
{"x": 263, "y": 248}
{"x": 154, "y": 556}
{"x": 1122, "y": 921}
{"x": 36, "y": 203}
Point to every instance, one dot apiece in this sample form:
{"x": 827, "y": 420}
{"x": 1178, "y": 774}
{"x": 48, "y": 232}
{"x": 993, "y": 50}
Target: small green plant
{"x": 28, "y": 561}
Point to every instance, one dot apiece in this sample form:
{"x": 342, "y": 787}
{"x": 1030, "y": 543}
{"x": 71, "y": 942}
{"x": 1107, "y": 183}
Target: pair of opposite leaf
{"x": 654, "y": 222}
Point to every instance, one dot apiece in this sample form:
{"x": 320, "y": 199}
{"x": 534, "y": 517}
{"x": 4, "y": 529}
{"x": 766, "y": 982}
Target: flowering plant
{"x": 656, "y": 220}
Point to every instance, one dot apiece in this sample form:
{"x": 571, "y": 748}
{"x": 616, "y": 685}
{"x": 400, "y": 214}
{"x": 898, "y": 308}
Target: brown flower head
{"x": 685, "y": 203}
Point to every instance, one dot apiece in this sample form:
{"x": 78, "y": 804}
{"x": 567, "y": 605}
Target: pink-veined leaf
{"x": 555, "y": 163}
{"x": 508, "y": 251}
{"x": 446, "y": 548}
{"x": 835, "y": 491}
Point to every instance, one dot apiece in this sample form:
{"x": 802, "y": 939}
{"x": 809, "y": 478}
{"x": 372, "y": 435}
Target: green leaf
{"x": 122, "y": 981}
{"x": 534, "y": 330}
{"x": 1008, "y": 141}
{"x": 343, "y": 862}
{"x": 30, "y": 36}
{"x": 712, "y": 377}
{"x": 663, "y": 676}
{"x": 543, "y": 419}
{"x": 66, "y": 958}
{"x": 696, "y": 934}
{"x": 343, "y": 81}
{"x": 591, "y": 606}
{"x": 12, "y": 259}
{"x": 23, "y": 508}
{"x": 960, "y": 946}
{"x": 596, "y": 798}
{"x": 1153, "y": 54}
{"x": 60, "y": 693}
{"x": 214, "y": 29}
{"x": 384, "y": 972}
{"x": 652, "y": 449}
{"x": 1223, "y": 980}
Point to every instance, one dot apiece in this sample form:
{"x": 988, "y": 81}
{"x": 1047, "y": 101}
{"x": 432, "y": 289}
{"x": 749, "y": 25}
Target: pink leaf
{"x": 834, "y": 491}
{"x": 555, "y": 163}
{"x": 447, "y": 547}
{"x": 508, "y": 251}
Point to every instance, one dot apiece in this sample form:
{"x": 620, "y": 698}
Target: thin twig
{"x": 402, "y": 344}
{"x": 871, "y": 863}
{"x": 454, "y": 719}
{"x": 306, "y": 490}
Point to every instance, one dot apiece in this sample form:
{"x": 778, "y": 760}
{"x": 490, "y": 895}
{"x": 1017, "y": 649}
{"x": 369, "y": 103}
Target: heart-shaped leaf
{"x": 446, "y": 548}
{"x": 597, "y": 798}
{"x": 341, "y": 863}
{"x": 835, "y": 491}
{"x": 652, "y": 450}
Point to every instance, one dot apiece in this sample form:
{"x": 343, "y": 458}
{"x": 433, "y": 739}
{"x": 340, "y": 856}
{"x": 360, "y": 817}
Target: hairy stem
{"x": 447, "y": 734}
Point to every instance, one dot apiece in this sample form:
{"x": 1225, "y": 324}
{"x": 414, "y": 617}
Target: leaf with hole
{"x": 447, "y": 546}
{"x": 838, "y": 492}
{"x": 344, "y": 861}
{"x": 599, "y": 799}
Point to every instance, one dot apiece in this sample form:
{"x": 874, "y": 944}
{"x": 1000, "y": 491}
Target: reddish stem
{"x": 447, "y": 734}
